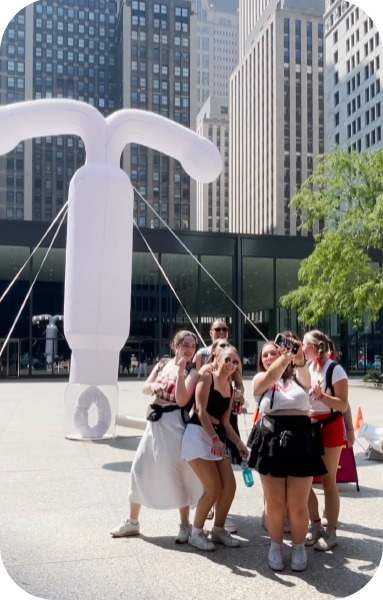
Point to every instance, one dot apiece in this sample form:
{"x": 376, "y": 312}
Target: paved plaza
{"x": 59, "y": 499}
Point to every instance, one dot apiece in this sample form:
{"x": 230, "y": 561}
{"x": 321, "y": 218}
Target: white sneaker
{"x": 125, "y": 528}
{"x": 315, "y": 532}
{"x": 230, "y": 526}
{"x": 275, "y": 558}
{"x": 299, "y": 558}
{"x": 223, "y": 537}
{"x": 183, "y": 534}
{"x": 287, "y": 526}
{"x": 324, "y": 519}
{"x": 200, "y": 541}
{"x": 328, "y": 541}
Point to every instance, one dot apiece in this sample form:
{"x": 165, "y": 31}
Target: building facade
{"x": 53, "y": 49}
{"x": 354, "y": 59}
{"x": 157, "y": 72}
{"x": 217, "y": 47}
{"x": 213, "y": 198}
{"x": 279, "y": 86}
{"x": 255, "y": 271}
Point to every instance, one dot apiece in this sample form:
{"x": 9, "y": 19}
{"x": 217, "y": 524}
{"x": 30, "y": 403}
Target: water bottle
{"x": 247, "y": 474}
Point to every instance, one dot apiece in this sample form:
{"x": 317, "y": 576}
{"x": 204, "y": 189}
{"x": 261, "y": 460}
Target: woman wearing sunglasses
{"x": 203, "y": 446}
{"x": 219, "y": 331}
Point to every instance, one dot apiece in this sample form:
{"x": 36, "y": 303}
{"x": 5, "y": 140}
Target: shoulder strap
{"x": 329, "y": 372}
{"x": 161, "y": 364}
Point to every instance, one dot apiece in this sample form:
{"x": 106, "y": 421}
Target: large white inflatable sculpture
{"x": 99, "y": 238}
{"x": 374, "y": 435}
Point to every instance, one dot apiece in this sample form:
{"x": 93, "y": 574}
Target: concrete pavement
{"x": 59, "y": 500}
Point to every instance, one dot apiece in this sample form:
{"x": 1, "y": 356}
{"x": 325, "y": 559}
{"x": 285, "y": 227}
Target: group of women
{"x": 184, "y": 459}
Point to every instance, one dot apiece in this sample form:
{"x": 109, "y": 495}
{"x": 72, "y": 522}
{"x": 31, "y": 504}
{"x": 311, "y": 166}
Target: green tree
{"x": 346, "y": 191}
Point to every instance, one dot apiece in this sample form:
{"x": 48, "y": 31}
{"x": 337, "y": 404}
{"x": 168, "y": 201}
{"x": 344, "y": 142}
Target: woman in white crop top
{"x": 327, "y": 408}
{"x": 282, "y": 450}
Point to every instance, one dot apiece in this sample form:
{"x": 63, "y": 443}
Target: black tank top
{"x": 217, "y": 404}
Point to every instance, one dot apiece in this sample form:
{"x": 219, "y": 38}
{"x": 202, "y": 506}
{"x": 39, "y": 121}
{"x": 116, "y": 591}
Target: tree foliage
{"x": 346, "y": 191}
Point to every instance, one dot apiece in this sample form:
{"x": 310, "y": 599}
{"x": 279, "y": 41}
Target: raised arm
{"x": 199, "y": 157}
{"x": 42, "y": 118}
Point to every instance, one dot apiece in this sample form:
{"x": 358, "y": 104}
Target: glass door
{"x": 10, "y": 359}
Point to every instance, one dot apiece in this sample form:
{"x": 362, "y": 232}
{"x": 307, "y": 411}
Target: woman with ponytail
{"x": 328, "y": 402}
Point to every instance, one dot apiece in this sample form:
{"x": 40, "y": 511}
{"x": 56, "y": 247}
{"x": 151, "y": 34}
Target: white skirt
{"x": 159, "y": 477}
{"x": 196, "y": 443}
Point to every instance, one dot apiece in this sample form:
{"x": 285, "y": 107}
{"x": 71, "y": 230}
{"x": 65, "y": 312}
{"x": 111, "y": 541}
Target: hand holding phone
{"x": 290, "y": 345}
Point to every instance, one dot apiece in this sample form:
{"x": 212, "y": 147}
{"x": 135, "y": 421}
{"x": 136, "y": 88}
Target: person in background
{"x": 203, "y": 446}
{"x": 218, "y": 331}
{"x": 327, "y": 407}
{"x": 142, "y": 367}
{"x": 159, "y": 477}
{"x": 282, "y": 449}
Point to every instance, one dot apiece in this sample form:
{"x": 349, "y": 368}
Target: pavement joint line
{"x": 58, "y": 562}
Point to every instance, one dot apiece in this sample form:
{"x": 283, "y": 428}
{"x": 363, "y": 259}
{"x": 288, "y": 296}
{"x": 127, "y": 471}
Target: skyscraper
{"x": 157, "y": 72}
{"x": 217, "y": 47}
{"x": 277, "y": 104}
{"x": 354, "y": 59}
{"x": 53, "y": 49}
{"x": 213, "y": 198}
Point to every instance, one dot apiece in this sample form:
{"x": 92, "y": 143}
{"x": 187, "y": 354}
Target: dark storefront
{"x": 255, "y": 271}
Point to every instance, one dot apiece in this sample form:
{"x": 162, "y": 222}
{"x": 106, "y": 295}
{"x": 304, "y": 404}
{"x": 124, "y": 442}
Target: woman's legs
{"x": 226, "y": 496}
{"x": 330, "y": 489}
{"x": 184, "y": 514}
{"x": 298, "y": 490}
{"x": 275, "y": 506}
{"x": 207, "y": 472}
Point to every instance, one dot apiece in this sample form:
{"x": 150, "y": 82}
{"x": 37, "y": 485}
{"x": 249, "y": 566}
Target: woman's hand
{"x": 317, "y": 391}
{"x": 350, "y": 438}
{"x": 286, "y": 354}
{"x": 157, "y": 388}
{"x": 181, "y": 364}
{"x": 243, "y": 451}
{"x": 218, "y": 448}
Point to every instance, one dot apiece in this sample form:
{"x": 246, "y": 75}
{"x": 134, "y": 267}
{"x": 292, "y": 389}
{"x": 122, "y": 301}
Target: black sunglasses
{"x": 221, "y": 329}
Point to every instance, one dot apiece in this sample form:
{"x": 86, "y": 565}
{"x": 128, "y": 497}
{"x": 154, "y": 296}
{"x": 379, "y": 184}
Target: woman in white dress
{"x": 160, "y": 478}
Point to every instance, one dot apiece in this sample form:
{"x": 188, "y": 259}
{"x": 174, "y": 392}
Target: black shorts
{"x": 287, "y": 448}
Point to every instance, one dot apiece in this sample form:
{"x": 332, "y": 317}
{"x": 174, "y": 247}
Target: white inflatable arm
{"x": 199, "y": 157}
{"x": 42, "y": 118}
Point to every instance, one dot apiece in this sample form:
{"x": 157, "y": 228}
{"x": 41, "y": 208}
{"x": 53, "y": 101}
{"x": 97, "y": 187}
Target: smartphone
{"x": 284, "y": 342}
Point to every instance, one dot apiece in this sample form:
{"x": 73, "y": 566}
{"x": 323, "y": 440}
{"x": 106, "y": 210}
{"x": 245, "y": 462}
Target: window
{"x": 336, "y": 99}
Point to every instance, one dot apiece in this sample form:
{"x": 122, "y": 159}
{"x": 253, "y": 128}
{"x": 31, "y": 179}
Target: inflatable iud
{"x": 100, "y": 237}
{"x": 372, "y": 434}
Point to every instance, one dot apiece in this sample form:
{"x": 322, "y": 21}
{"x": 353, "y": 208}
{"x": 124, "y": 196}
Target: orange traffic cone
{"x": 359, "y": 419}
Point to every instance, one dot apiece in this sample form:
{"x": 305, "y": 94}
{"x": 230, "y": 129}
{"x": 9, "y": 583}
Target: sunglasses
{"x": 229, "y": 360}
{"x": 221, "y": 329}
{"x": 223, "y": 345}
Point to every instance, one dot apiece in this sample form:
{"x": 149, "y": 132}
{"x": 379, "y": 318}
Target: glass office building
{"x": 255, "y": 271}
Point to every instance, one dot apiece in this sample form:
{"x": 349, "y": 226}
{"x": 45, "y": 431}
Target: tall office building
{"x": 213, "y": 198}
{"x": 277, "y": 125}
{"x": 157, "y": 72}
{"x": 217, "y": 47}
{"x": 354, "y": 59}
{"x": 53, "y": 49}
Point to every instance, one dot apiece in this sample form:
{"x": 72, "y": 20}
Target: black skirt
{"x": 286, "y": 446}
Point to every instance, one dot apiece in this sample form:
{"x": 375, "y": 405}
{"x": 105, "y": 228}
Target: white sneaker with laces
{"x": 275, "y": 558}
{"x": 315, "y": 532}
{"x": 230, "y": 526}
{"x": 223, "y": 537}
{"x": 126, "y": 528}
{"x": 200, "y": 541}
{"x": 299, "y": 558}
{"x": 328, "y": 541}
{"x": 183, "y": 534}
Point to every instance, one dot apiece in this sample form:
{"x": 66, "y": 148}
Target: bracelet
{"x": 300, "y": 365}
{"x": 321, "y": 397}
{"x": 215, "y": 438}
{"x": 350, "y": 430}
{"x": 240, "y": 442}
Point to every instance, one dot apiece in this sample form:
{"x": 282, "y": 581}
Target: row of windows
{"x": 59, "y": 39}
{"x": 77, "y": 4}
{"x": 17, "y": 213}
{"x": 11, "y": 196}
{"x": 70, "y": 14}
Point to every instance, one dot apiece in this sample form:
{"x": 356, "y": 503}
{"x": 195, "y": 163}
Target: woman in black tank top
{"x": 203, "y": 446}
